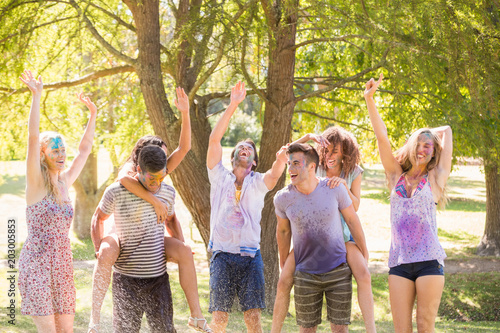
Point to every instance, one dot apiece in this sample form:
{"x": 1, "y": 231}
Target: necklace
{"x": 238, "y": 193}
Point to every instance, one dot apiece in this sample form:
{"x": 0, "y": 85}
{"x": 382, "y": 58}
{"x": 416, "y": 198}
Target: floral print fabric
{"x": 46, "y": 264}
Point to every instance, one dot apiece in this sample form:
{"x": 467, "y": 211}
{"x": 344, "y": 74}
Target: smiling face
{"x": 151, "y": 180}
{"x": 297, "y": 168}
{"x": 333, "y": 156}
{"x": 244, "y": 155}
{"x": 55, "y": 154}
{"x": 424, "y": 150}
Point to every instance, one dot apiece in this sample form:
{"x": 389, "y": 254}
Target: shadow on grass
{"x": 465, "y": 244}
{"x": 466, "y": 205}
{"x": 466, "y": 183}
{"x": 471, "y": 297}
{"x": 14, "y": 185}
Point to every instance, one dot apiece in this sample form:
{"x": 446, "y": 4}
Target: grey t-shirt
{"x": 317, "y": 233}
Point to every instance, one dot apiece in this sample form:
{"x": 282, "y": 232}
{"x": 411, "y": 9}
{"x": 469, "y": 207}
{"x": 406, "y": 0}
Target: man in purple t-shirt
{"x": 309, "y": 210}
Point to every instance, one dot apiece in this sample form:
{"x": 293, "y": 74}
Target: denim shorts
{"x": 417, "y": 269}
{"x": 232, "y": 274}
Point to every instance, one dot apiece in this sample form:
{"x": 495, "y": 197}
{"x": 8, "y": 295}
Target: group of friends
{"x": 320, "y": 238}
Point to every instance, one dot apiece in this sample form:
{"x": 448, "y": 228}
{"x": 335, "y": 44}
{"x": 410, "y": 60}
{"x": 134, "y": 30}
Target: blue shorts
{"x": 232, "y": 274}
{"x": 417, "y": 269}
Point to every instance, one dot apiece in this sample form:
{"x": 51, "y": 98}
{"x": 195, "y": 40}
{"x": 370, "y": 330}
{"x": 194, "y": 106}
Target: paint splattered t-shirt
{"x": 413, "y": 228}
{"x": 317, "y": 233}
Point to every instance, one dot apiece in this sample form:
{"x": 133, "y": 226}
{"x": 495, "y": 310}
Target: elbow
{"x": 85, "y": 151}
{"x": 185, "y": 148}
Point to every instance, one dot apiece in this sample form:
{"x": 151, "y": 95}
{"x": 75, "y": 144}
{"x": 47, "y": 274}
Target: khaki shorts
{"x": 309, "y": 290}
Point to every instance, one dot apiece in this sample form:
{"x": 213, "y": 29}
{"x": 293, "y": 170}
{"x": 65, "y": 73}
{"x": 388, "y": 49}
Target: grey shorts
{"x": 336, "y": 285}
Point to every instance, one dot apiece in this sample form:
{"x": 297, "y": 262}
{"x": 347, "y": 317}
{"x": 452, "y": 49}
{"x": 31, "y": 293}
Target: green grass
{"x": 464, "y": 243}
{"x": 470, "y": 302}
{"x": 12, "y": 184}
{"x": 83, "y": 249}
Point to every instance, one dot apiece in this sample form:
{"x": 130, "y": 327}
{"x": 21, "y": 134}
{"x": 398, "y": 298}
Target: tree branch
{"x": 332, "y": 119}
{"x": 79, "y": 81}
{"x": 343, "y": 81}
{"x": 36, "y": 27}
{"x": 99, "y": 38}
{"x": 118, "y": 19}
{"x": 270, "y": 13}
{"x": 220, "y": 52}
{"x": 245, "y": 72}
{"x": 330, "y": 39}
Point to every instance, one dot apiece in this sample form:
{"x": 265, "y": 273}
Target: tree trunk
{"x": 86, "y": 200}
{"x": 190, "y": 179}
{"x": 277, "y": 131}
{"x": 490, "y": 243}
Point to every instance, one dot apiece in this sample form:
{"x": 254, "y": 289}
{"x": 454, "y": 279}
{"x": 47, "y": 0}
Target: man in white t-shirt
{"x": 237, "y": 199}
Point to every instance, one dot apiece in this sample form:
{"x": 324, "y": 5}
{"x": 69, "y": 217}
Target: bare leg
{"x": 182, "y": 254}
{"x": 359, "y": 269}
{"x": 308, "y": 330}
{"x": 219, "y": 321}
{"x": 402, "y": 294}
{"x": 64, "y": 323}
{"x": 429, "y": 291}
{"x": 45, "y": 324}
{"x": 108, "y": 253}
{"x": 339, "y": 328}
{"x": 252, "y": 321}
{"x": 282, "y": 301}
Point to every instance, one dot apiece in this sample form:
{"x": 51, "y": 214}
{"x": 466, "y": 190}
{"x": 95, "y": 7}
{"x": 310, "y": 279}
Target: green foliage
{"x": 241, "y": 127}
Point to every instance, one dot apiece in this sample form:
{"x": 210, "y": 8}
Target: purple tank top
{"x": 413, "y": 228}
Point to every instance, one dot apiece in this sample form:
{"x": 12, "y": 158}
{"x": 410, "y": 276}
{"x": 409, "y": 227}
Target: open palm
{"x": 36, "y": 86}
{"x": 238, "y": 93}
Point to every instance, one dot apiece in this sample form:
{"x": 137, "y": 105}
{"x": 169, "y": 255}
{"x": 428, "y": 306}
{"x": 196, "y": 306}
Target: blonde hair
{"x": 407, "y": 157}
{"x": 51, "y": 186}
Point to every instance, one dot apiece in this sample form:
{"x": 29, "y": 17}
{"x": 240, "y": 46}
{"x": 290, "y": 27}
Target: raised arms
{"x": 214, "y": 153}
{"x": 391, "y": 166}
{"x": 443, "y": 169}
{"x": 175, "y": 158}
{"x": 34, "y": 177}
{"x": 272, "y": 175}
{"x": 85, "y": 147}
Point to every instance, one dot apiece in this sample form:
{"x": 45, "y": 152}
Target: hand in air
{"x": 36, "y": 86}
{"x": 281, "y": 154}
{"x": 182, "y": 101}
{"x": 319, "y": 139}
{"x": 238, "y": 93}
{"x": 88, "y": 103}
{"x": 371, "y": 86}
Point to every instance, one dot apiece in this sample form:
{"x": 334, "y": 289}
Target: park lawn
{"x": 470, "y": 301}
